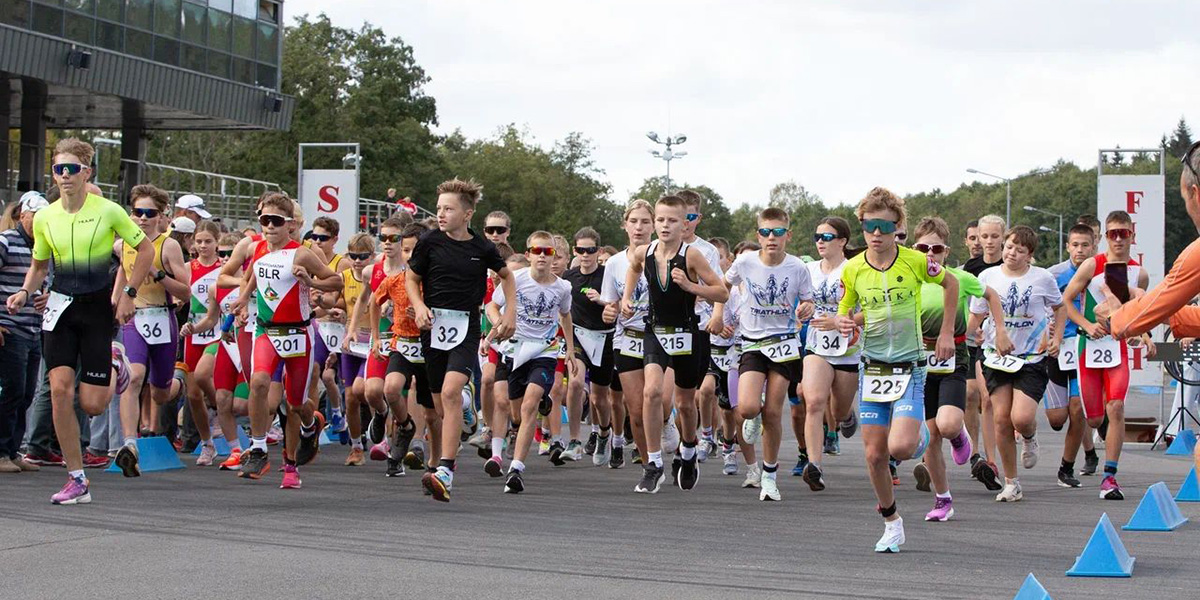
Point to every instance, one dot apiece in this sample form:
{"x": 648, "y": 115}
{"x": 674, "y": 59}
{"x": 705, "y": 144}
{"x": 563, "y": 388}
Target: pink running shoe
{"x": 960, "y": 447}
{"x": 121, "y": 364}
{"x": 291, "y": 478}
{"x": 943, "y": 510}
{"x": 381, "y": 450}
{"x": 1110, "y": 489}
{"x": 75, "y": 492}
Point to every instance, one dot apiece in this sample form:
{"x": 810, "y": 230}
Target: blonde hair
{"x": 934, "y": 225}
{"x": 361, "y": 242}
{"x": 77, "y": 148}
{"x": 993, "y": 220}
{"x": 880, "y": 199}
{"x": 541, "y": 235}
{"x": 635, "y": 205}
{"x": 469, "y": 192}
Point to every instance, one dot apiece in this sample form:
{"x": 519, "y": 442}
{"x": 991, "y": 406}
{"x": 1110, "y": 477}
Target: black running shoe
{"x": 394, "y": 468}
{"x": 589, "y": 447}
{"x": 377, "y": 429}
{"x": 310, "y": 446}
{"x": 556, "y": 452}
{"x": 617, "y": 459}
{"x": 1067, "y": 479}
{"x": 493, "y": 467}
{"x": 415, "y": 458}
{"x": 986, "y": 475}
{"x": 127, "y": 461}
{"x": 689, "y": 474}
{"x": 676, "y": 466}
{"x": 403, "y": 438}
{"x": 545, "y": 405}
{"x": 514, "y": 484}
{"x": 921, "y": 474}
{"x": 652, "y": 479}
{"x": 814, "y": 477}
{"x": 254, "y": 464}
{"x": 1090, "y": 464}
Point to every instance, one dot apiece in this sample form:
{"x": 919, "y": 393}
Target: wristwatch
{"x": 130, "y": 291}
{"x": 160, "y": 275}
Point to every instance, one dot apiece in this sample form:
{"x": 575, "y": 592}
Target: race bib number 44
{"x": 885, "y": 383}
{"x": 449, "y": 328}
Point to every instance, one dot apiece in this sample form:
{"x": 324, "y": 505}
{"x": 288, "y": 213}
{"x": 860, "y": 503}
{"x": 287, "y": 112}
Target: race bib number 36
{"x": 449, "y": 328}
{"x": 154, "y": 324}
{"x": 1104, "y": 353}
{"x": 885, "y": 384}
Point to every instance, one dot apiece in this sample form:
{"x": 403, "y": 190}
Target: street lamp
{"x": 1008, "y": 194}
{"x": 667, "y": 155}
{"x": 1044, "y": 228}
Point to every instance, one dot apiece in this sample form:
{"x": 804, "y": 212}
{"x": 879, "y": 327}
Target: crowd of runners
{"x": 431, "y": 338}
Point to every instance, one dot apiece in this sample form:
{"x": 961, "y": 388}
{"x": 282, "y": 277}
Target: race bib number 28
{"x": 1103, "y": 353}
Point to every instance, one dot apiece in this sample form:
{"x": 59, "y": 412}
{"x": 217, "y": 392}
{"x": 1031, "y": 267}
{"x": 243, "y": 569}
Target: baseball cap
{"x": 33, "y": 201}
{"x": 193, "y": 203}
{"x": 183, "y": 225}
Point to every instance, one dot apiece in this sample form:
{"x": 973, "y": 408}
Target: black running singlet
{"x": 670, "y": 305}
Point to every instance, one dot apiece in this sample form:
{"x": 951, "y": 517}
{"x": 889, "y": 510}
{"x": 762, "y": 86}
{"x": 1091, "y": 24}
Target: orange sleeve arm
{"x": 383, "y": 291}
{"x": 1186, "y": 322}
{"x": 1160, "y": 304}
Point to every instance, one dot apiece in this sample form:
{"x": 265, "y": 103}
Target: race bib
{"x": 831, "y": 343}
{"x": 289, "y": 342}
{"x": 154, "y": 324}
{"x": 231, "y": 350}
{"x": 332, "y": 333}
{"x": 203, "y": 338}
{"x": 1008, "y": 364}
{"x": 449, "y": 328}
{"x": 633, "y": 344}
{"x": 360, "y": 347}
{"x": 1068, "y": 354}
{"x": 385, "y": 343}
{"x": 54, "y": 309}
{"x": 675, "y": 342}
{"x": 592, "y": 343}
{"x": 722, "y": 357}
{"x": 527, "y": 350}
{"x": 779, "y": 350}
{"x": 885, "y": 383}
{"x": 1104, "y": 353}
{"x": 410, "y": 349}
{"x": 940, "y": 367}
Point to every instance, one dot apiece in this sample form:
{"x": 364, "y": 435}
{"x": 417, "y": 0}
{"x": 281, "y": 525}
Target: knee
{"x": 772, "y": 413}
{"x": 1115, "y": 410}
{"x": 876, "y": 453}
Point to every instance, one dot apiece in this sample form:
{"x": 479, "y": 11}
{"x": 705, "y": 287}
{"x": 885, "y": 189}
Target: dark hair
{"x": 720, "y": 242}
{"x": 690, "y": 198}
{"x": 411, "y": 230}
{"x": 1025, "y": 236}
{"x": 973, "y": 223}
{"x": 840, "y": 225}
{"x": 1089, "y": 220}
{"x": 505, "y": 250}
{"x": 746, "y": 245}
{"x": 145, "y": 190}
{"x": 587, "y": 233}
{"x": 772, "y": 213}
{"x": 1118, "y": 216}
{"x": 394, "y": 223}
{"x": 672, "y": 201}
{"x": 1082, "y": 229}
{"x": 610, "y": 250}
{"x": 328, "y": 224}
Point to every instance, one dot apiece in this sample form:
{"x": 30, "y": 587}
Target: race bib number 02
{"x": 885, "y": 383}
{"x": 54, "y": 309}
{"x": 1008, "y": 364}
{"x": 289, "y": 342}
{"x": 1068, "y": 354}
{"x": 1104, "y": 353}
{"x": 154, "y": 324}
{"x": 940, "y": 367}
{"x": 449, "y": 328}
{"x": 675, "y": 342}
{"x": 633, "y": 344}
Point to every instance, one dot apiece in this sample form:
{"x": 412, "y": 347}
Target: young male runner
{"x": 447, "y": 278}
{"x": 677, "y": 274}
{"x": 707, "y": 398}
{"x": 593, "y": 342}
{"x": 978, "y": 416}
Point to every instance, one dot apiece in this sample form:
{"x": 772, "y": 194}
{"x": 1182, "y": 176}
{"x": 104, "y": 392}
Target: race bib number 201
{"x": 289, "y": 343}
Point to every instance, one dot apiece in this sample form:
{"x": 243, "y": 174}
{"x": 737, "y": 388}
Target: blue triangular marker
{"x": 1156, "y": 512}
{"x": 223, "y": 447}
{"x": 1032, "y": 590}
{"x": 1184, "y": 444}
{"x": 325, "y": 438}
{"x": 1104, "y": 555}
{"x": 154, "y": 454}
{"x": 1189, "y": 491}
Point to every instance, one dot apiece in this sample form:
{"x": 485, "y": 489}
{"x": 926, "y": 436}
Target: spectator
{"x": 20, "y": 337}
{"x": 406, "y": 204}
{"x": 192, "y": 207}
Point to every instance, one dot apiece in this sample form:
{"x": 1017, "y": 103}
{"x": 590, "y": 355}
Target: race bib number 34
{"x": 884, "y": 383}
{"x": 831, "y": 343}
{"x": 449, "y": 328}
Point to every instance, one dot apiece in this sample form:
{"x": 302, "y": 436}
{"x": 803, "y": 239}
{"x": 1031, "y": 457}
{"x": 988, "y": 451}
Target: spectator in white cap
{"x": 192, "y": 207}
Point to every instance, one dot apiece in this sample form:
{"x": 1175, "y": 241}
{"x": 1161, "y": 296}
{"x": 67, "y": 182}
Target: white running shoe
{"x": 208, "y": 452}
{"x": 770, "y": 491}
{"x": 670, "y": 437}
{"x": 893, "y": 536}
{"x": 602, "y": 454}
{"x": 1029, "y": 452}
{"x": 752, "y": 430}
{"x": 1010, "y": 493}
{"x": 753, "y": 477}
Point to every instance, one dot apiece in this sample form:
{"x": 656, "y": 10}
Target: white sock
{"x": 258, "y": 443}
{"x": 131, "y": 441}
{"x": 656, "y": 458}
{"x": 945, "y": 496}
{"x": 497, "y": 446}
{"x": 517, "y": 466}
{"x": 618, "y": 441}
{"x": 78, "y": 475}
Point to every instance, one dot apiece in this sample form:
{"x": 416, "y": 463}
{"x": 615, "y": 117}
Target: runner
{"x": 152, "y": 338}
{"x": 593, "y": 344}
{"x": 551, "y": 429}
{"x": 780, "y": 298}
{"x": 201, "y": 392}
{"x": 979, "y": 415}
{"x": 1016, "y": 380}
{"x": 356, "y": 343}
{"x": 447, "y": 278}
{"x": 946, "y": 381}
{"x": 707, "y": 398}
{"x": 1104, "y": 360}
{"x": 496, "y": 228}
{"x": 379, "y": 320}
{"x": 972, "y": 242}
{"x": 331, "y": 326}
{"x": 541, "y": 301}
{"x": 886, "y": 282}
{"x": 731, "y": 421}
{"x": 76, "y": 232}
{"x": 673, "y": 324}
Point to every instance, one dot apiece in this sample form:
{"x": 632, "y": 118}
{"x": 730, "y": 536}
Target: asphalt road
{"x": 579, "y": 531}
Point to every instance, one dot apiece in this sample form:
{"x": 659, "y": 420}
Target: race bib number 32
{"x": 449, "y": 328}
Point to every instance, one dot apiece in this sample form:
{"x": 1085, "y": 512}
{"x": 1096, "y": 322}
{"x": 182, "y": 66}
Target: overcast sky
{"x": 839, "y": 97}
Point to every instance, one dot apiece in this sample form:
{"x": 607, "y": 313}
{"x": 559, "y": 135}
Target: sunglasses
{"x": 148, "y": 213}
{"x": 273, "y": 220}
{"x": 67, "y": 169}
{"x": 825, "y": 237}
{"x": 586, "y": 250}
{"x": 359, "y": 255}
{"x": 767, "y": 231}
{"x": 1118, "y": 234}
{"x": 546, "y": 250}
{"x": 883, "y": 226}
{"x": 1187, "y": 159}
{"x": 389, "y": 238}
{"x": 320, "y": 237}
{"x": 495, "y": 229}
{"x": 927, "y": 248}
{"x": 692, "y": 216}
{"x": 224, "y": 253}
{"x": 901, "y": 236}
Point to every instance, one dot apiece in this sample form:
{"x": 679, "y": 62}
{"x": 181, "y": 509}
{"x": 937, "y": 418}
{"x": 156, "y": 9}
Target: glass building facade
{"x": 239, "y": 40}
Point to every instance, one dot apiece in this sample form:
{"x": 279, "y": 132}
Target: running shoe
{"x": 493, "y": 467}
{"x": 832, "y": 445}
{"x": 545, "y": 405}
{"x": 415, "y": 459}
{"x": 424, "y": 490}
{"x": 514, "y": 484}
{"x": 962, "y": 451}
{"x": 652, "y": 479}
{"x": 378, "y": 427}
{"x": 470, "y": 422}
{"x": 729, "y": 463}
{"x": 402, "y": 438}
{"x": 705, "y": 448}
{"x": 1067, "y": 479}
{"x": 95, "y": 461}
{"x": 544, "y": 447}
{"x": 437, "y": 483}
{"x": 1090, "y": 464}
{"x": 893, "y": 537}
{"x": 769, "y": 491}
{"x": 556, "y": 454}
{"x": 1029, "y": 452}
{"x": 574, "y": 451}
{"x": 617, "y": 459}
{"x": 801, "y": 464}
{"x": 589, "y": 447}
{"x": 850, "y": 426}
{"x": 943, "y": 509}
{"x": 255, "y": 464}
{"x": 49, "y": 459}
{"x": 676, "y": 466}
{"x": 1110, "y": 489}
{"x": 1010, "y": 493}
{"x": 921, "y": 474}
{"x": 127, "y": 460}
{"x": 310, "y": 446}
{"x": 670, "y": 437}
{"x": 395, "y": 468}
{"x": 813, "y": 477}
{"x": 381, "y": 450}
{"x": 636, "y": 457}
{"x": 27, "y": 466}
{"x": 75, "y": 492}
{"x": 337, "y": 421}
{"x": 274, "y": 434}
{"x": 356, "y": 458}
{"x": 510, "y": 444}
{"x": 986, "y": 474}
{"x": 121, "y": 363}
{"x": 752, "y": 430}
{"x": 753, "y": 476}
{"x": 233, "y": 463}
{"x": 482, "y": 440}
{"x": 892, "y": 465}
{"x": 291, "y": 478}
{"x": 600, "y": 454}
{"x": 207, "y": 453}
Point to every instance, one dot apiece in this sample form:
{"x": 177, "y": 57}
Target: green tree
{"x": 717, "y": 220}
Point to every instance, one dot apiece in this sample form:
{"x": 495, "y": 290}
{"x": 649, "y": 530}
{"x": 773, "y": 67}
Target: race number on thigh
{"x": 940, "y": 367}
{"x": 633, "y": 344}
{"x": 1103, "y": 353}
{"x": 1068, "y": 354}
{"x": 1008, "y": 363}
{"x": 885, "y": 383}
{"x": 203, "y": 338}
{"x": 332, "y": 333}
{"x": 722, "y": 357}
{"x": 153, "y": 324}
{"x": 779, "y": 350}
{"x": 410, "y": 349}
{"x": 289, "y": 342}
{"x": 54, "y": 309}
{"x": 449, "y": 328}
{"x": 592, "y": 343}
{"x": 674, "y": 341}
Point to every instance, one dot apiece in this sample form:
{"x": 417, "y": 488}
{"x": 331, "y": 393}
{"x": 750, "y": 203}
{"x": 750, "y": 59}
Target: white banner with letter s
{"x": 331, "y": 193}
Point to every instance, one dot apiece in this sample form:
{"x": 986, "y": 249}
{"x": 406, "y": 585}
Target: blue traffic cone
{"x": 223, "y": 446}
{"x": 154, "y": 454}
{"x": 1184, "y": 444}
{"x": 1032, "y": 590}
{"x": 325, "y": 438}
{"x": 1104, "y": 555}
{"x": 1189, "y": 491}
{"x": 1156, "y": 512}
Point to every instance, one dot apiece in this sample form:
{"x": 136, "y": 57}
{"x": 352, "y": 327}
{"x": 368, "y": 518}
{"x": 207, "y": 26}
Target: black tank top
{"x": 670, "y": 305}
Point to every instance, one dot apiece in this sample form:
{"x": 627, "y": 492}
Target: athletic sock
{"x": 207, "y": 443}
{"x": 1067, "y": 467}
{"x": 619, "y": 441}
{"x": 131, "y": 441}
{"x": 447, "y": 463}
{"x": 604, "y": 431}
{"x": 258, "y": 443}
{"x": 687, "y": 450}
{"x": 769, "y": 469}
{"x": 517, "y": 466}
{"x": 307, "y": 431}
{"x": 656, "y": 459}
{"x": 497, "y": 446}
{"x": 1110, "y": 468}
{"x": 1090, "y": 453}
{"x": 945, "y": 496}
{"x": 357, "y": 444}
{"x": 707, "y": 433}
{"x": 78, "y": 475}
